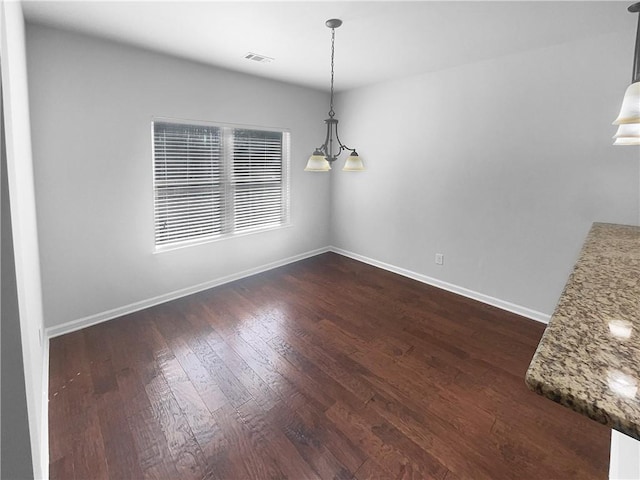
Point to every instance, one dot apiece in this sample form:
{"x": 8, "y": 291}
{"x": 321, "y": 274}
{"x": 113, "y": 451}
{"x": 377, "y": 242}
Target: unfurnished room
{"x": 320, "y": 240}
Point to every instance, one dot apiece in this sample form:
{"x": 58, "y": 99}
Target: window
{"x": 214, "y": 181}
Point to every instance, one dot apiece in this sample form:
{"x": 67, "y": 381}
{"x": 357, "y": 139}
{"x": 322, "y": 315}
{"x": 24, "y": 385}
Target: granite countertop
{"x": 589, "y": 356}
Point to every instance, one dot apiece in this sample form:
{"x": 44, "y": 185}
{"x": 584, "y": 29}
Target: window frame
{"x": 227, "y": 162}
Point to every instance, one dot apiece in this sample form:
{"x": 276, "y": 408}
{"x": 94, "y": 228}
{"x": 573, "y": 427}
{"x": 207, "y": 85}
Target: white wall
{"x": 15, "y": 441}
{"x": 501, "y": 165}
{"x": 92, "y": 102}
{"x": 23, "y": 220}
{"x": 624, "y": 462}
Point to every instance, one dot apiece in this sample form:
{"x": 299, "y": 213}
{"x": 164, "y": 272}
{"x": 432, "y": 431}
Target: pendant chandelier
{"x": 324, "y": 156}
{"x": 629, "y": 118}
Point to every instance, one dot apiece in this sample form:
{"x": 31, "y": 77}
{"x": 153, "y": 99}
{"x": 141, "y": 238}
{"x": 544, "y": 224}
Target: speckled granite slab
{"x": 589, "y": 356}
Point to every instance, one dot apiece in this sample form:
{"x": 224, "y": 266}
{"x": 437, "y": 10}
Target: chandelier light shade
{"x": 353, "y": 163}
{"x": 318, "y": 163}
{"x": 630, "y": 111}
{"x": 628, "y": 134}
{"x": 324, "y": 156}
{"x": 629, "y": 118}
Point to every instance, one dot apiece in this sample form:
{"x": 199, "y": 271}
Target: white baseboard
{"x": 81, "y": 323}
{"x": 44, "y": 430}
{"x": 465, "y": 292}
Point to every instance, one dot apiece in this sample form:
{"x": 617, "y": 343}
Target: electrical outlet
{"x": 439, "y": 258}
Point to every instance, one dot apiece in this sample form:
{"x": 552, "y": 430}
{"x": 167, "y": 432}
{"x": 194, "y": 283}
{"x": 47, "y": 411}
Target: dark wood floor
{"x": 326, "y": 368}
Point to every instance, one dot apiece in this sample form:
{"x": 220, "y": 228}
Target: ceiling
{"x": 378, "y": 41}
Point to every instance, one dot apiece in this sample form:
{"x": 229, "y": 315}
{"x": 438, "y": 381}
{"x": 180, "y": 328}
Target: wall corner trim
{"x": 90, "y": 320}
{"x": 44, "y": 430}
{"x": 465, "y": 292}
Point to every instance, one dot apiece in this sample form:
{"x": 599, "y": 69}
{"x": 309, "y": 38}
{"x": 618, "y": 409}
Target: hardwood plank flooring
{"x": 327, "y": 368}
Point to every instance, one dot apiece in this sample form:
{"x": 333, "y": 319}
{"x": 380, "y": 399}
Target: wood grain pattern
{"x": 325, "y": 368}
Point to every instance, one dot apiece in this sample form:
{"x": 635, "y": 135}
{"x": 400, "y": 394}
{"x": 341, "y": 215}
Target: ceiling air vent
{"x": 258, "y": 58}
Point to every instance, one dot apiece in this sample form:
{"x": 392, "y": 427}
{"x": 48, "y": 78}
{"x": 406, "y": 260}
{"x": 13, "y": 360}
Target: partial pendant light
{"x": 324, "y": 156}
{"x": 629, "y": 118}
{"x": 628, "y": 134}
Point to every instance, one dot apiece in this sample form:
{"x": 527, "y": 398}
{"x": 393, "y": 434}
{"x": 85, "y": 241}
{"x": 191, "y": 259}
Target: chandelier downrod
{"x": 635, "y": 8}
{"x": 333, "y": 27}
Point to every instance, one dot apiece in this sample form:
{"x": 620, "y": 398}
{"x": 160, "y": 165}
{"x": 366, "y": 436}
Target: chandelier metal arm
{"x": 327, "y": 147}
{"x": 323, "y": 147}
{"x": 342, "y": 146}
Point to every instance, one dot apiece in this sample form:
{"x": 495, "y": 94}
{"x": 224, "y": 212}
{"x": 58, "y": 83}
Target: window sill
{"x": 217, "y": 238}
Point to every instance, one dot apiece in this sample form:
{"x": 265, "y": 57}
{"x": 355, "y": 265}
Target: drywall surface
{"x": 92, "y": 102}
{"x": 15, "y": 445}
{"x": 502, "y": 166}
{"x": 624, "y": 462}
{"x": 25, "y": 241}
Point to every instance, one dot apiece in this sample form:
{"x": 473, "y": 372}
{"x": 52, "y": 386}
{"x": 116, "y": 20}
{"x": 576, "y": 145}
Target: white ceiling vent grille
{"x": 258, "y": 58}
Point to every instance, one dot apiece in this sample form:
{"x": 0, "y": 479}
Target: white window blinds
{"x": 257, "y": 179}
{"x": 213, "y": 181}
